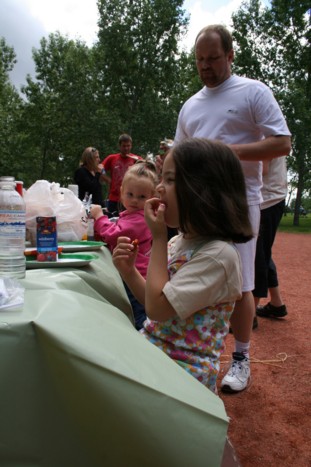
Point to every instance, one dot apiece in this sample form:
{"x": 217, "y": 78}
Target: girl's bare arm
{"x": 157, "y": 306}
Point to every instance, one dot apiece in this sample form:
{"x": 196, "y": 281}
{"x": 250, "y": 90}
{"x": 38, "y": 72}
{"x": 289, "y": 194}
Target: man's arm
{"x": 266, "y": 149}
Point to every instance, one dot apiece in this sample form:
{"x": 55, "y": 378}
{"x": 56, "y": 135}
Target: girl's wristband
{"x": 103, "y": 171}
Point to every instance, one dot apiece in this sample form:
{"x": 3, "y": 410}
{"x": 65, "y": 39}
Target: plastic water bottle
{"x": 85, "y": 218}
{"x": 90, "y": 221}
{"x": 12, "y": 230}
{"x": 87, "y": 201}
{"x": 90, "y": 229}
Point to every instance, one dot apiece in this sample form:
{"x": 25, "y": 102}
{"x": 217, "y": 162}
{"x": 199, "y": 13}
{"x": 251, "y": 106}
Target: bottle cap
{"x": 6, "y": 178}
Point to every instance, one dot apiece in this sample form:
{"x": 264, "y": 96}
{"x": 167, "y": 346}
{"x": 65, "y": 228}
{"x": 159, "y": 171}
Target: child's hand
{"x": 124, "y": 256}
{"x": 154, "y": 215}
{"x": 96, "y": 211}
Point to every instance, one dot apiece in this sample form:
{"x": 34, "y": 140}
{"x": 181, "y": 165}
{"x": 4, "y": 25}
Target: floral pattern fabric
{"x": 196, "y": 342}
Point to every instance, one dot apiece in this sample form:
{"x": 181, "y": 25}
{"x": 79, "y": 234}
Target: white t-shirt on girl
{"x": 205, "y": 281}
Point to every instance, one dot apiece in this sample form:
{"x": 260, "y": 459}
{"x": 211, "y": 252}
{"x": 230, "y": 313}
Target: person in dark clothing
{"x": 90, "y": 176}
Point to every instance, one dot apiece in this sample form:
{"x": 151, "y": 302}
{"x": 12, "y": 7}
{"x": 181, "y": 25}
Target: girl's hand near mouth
{"x": 155, "y": 217}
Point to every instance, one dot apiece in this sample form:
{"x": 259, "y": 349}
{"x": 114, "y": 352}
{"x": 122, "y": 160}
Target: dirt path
{"x": 271, "y": 420}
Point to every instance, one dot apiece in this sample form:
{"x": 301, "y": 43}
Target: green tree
{"x": 10, "y": 109}
{"x": 7, "y": 60}
{"x": 274, "y": 46}
{"x": 61, "y": 110}
{"x": 138, "y": 66}
{"x": 188, "y": 82}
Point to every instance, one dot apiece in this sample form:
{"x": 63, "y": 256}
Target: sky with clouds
{"x": 24, "y": 22}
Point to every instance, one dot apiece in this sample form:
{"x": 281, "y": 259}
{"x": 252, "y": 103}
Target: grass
{"x": 286, "y": 224}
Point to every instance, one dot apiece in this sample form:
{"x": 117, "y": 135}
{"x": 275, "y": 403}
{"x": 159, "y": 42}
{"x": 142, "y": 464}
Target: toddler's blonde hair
{"x": 142, "y": 168}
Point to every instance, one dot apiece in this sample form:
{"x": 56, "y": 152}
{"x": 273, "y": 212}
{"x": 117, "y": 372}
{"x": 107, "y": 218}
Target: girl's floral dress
{"x": 196, "y": 342}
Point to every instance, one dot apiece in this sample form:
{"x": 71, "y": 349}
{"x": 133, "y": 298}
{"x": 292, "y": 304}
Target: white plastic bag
{"x": 48, "y": 199}
{"x": 11, "y": 293}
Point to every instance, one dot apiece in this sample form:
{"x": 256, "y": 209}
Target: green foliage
{"x": 10, "y": 107}
{"x": 188, "y": 81}
{"x": 287, "y": 224}
{"x": 61, "y": 108}
{"x": 138, "y": 66}
{"x": 135, "y": 79}
{"x": 274, "y": 46}
{"x": 305, "y": 203}
{"x": 7, "y": 60}
{"x": 128, "y": 82}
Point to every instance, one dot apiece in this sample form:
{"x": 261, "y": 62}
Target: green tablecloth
{"x": 79, "y": 386}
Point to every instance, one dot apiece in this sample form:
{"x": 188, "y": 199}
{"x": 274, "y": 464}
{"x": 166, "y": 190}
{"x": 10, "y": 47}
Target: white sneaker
{"x": 238, "y": 375}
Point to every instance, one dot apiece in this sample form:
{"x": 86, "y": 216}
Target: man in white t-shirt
{"x": 244, "y": 114}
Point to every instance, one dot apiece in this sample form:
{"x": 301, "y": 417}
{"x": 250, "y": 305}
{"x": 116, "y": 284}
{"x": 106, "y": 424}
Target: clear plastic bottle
{"x": 90, "y": 228}
{"x": 12, "y": 230}
{"x": 85, "y": 218}
{"x": 90, "y": 220}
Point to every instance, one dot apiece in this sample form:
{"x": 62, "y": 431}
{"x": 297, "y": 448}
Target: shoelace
{"x": 234, "y": 367}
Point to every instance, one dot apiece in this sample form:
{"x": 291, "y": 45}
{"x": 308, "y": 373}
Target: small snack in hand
{"x": 135, "y": 243}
